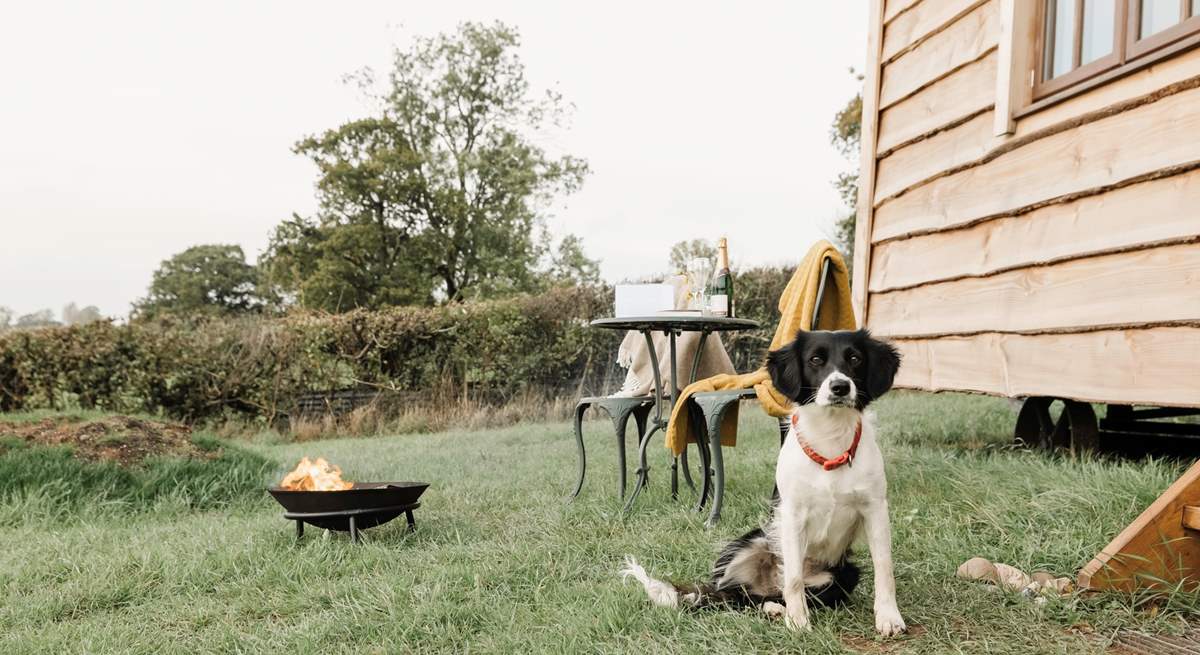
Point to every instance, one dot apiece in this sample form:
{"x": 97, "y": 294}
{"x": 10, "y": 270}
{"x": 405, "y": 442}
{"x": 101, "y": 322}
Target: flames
{"x": 318, "y": 475}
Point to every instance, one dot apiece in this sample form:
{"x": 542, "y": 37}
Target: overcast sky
{"x": 132, "y": 130}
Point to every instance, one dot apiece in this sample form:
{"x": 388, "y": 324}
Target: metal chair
{"x": 619, "y": 410}
{"x": 713, "y": 405}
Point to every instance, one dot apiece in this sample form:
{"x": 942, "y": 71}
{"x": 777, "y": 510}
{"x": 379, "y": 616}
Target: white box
{"x": 643, "y": 299}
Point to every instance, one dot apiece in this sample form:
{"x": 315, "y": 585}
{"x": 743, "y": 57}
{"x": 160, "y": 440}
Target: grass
{"x": 500, "y": 563}
{"x": 48, "y": 484}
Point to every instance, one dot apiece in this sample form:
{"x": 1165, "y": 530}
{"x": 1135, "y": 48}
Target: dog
{"x": 832, "y": 490}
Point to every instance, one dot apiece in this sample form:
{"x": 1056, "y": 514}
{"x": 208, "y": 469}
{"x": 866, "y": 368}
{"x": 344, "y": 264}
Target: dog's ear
{"x": 883, "y": 361}
{"x": 785, "y": 368}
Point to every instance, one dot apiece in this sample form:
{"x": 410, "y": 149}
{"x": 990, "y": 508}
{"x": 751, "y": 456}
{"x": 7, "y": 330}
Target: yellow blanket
{"x": 796, "y": 307}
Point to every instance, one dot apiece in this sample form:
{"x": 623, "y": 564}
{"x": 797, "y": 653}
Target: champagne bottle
{"x": 721, "y": 295}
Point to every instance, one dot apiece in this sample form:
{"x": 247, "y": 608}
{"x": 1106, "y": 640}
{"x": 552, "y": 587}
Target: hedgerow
{"x": 204, "y": 368}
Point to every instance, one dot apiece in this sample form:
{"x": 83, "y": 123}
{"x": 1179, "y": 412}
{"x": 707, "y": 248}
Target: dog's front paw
{"x": 797, "y": 617}
{"x": 888, "y": 622}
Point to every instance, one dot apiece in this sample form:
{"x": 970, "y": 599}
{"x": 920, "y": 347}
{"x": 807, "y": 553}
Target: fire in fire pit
{"x": 315, "y": 493}
{"x": 317, "y": 475}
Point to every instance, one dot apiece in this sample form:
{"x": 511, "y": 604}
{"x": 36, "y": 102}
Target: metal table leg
{"x": 643, "y": 472}
{"x": 674, "y": 393}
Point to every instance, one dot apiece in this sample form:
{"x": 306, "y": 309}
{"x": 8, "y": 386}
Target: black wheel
{"x": 1034, "y": 427}
{"x": 1073, "y": 429}
{"x": 1076, "y": 428}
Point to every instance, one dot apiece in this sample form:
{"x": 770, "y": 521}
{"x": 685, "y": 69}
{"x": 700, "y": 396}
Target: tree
{"x": 75, "y": 315}
{"x": 844, "y": 134}
{"x": 440, "y": 193}
{"x": 6, "y": 317}
{"x": 683, "y": 252}
{"x": 42, "y": 318}
{"x": 570, "y": 265}
{"x": 202, "y": 279}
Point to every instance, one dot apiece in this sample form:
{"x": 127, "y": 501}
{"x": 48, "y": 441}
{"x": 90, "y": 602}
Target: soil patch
{"x": 873, "y": 645}
{"x": 122, "y": 439}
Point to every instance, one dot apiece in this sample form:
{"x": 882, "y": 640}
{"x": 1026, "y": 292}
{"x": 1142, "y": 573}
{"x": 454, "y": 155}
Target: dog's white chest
{"x": 828, "y": 505}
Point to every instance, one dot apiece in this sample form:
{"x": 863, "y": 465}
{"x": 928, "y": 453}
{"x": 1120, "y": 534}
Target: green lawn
{"x": 501, "y": 563}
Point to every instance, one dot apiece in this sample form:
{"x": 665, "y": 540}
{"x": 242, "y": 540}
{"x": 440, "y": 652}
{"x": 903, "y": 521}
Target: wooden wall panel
{"x": 963, "y": 93}
{"x": 960, "y": 43}
{"x": 866, "y": 154}
{"x": 1149, "y": 212}
{"x": 919, "y": 22}
{"x": 895, "y": 7}
{"x": 932, "y": 156}
{"x": 1090, "y": 157}
{"x": 1154, "y": 285}
{"x": 1154, "y": 366}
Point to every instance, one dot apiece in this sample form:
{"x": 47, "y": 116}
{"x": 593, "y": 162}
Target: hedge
{"x": 201, "y": 369}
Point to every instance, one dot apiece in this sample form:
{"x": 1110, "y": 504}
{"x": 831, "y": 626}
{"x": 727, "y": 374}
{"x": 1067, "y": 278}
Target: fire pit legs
{"x": 354, "y": 521}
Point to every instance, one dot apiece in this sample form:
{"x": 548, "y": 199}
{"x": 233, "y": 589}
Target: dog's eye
{"x": 855, "y": 360}
{"x": 816, "y": 360}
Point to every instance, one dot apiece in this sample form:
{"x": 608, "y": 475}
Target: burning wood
{"x": 318, "y": 475}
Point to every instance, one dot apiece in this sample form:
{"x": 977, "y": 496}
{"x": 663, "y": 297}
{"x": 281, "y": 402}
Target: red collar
{"x": 829, "y": 464}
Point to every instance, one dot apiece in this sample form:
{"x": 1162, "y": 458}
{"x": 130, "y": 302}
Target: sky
{"x": 133, "y": 130}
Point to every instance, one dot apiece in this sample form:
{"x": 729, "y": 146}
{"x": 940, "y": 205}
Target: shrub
{"x": 208, "y": 368}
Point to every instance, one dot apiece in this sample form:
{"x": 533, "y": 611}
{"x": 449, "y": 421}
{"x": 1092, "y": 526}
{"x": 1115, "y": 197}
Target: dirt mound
{"x": 122, "y": 439}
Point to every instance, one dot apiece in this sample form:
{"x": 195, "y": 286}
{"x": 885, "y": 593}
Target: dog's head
{"x": 835, "y": 369}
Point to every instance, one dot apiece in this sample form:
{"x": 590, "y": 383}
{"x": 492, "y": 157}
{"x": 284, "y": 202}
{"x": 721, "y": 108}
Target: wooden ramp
{"x": 1160, "y": 549}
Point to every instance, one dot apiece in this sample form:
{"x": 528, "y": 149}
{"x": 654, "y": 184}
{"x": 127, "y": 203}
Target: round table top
{"x": 679, "y": 322}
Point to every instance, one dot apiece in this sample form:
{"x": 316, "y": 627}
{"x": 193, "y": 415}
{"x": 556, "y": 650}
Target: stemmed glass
{"x": 699, "y": 271}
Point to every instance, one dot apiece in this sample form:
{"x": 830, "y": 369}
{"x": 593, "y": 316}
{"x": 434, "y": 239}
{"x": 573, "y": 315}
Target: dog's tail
{"x": 663, "y": 594}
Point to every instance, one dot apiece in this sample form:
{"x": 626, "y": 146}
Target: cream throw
{"x": 633, "y": 355}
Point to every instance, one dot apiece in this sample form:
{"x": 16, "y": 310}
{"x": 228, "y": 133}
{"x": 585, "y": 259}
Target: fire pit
{"x": 315, "y": 493}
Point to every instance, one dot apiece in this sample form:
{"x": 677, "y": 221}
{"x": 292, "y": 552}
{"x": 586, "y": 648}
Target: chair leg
{"x": 675, "y": 477}
{"x": 714, "y": 411}
{"x": 579, "y": 410}
{"x": 641, "y": 415}
{"x": 687, "y": 471}
{"x": 705, "y": 456}
{"x": 619, "y": 424}
{"x": 718, "y": 465}
{"x": 785, "y": 427}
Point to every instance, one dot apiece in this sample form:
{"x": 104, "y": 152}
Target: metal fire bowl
{"x": 371, "y": 504}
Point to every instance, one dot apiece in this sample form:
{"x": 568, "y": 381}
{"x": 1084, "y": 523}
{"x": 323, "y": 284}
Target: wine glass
{"x": 699, "y": 270}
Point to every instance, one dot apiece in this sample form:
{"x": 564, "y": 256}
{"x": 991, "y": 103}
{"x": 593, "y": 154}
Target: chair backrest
{"x": 826, "y": 265}
{"x": 826, "y": 273}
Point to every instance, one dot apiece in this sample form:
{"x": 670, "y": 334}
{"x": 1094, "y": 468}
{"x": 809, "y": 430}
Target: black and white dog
{"x": 831, "y": 489}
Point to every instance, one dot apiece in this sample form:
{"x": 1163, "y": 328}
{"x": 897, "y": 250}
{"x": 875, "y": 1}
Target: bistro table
{"x": 672, "y": 324}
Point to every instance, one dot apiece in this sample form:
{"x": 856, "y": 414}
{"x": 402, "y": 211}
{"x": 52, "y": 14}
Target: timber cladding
{"x": 1061, "y": 258}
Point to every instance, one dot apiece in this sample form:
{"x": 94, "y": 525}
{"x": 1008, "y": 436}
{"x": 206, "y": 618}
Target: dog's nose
{"x": 839, "y": 387}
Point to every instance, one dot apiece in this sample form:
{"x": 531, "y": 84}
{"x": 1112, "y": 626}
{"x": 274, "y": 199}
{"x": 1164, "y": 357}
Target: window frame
{"x": 1043, "y": 87}
{"x": 1129, "y": 53}
{"x": 1135, "y": 47}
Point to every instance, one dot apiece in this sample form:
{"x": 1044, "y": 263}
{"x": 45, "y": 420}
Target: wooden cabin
{"x": 1029, "y": 208}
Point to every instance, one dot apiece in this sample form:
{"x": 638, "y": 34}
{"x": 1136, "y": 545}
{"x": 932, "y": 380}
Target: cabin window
{"x": 1085, "y": 42}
